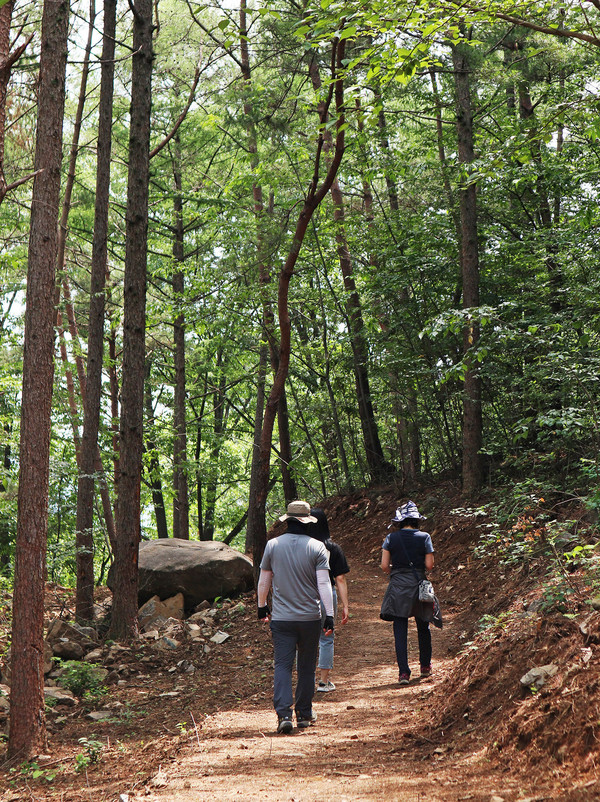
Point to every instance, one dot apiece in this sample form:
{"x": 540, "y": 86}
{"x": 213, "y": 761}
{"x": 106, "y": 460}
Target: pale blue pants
{"x": 326, "y": 642}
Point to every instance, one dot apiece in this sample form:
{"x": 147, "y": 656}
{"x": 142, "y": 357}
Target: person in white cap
{"x": 296, "y": 567}
{"x": 407, "y": 553}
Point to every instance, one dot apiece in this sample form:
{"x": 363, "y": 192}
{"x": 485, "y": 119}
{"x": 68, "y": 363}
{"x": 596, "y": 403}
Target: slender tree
{"x": 315, "y": 195}
{"x": 181, "y": 505}
{"x": 124, "y": 615}
{"x": 469, "y": 253}
{"x": 7, "y": 61}
{"x": 27, "y": 726}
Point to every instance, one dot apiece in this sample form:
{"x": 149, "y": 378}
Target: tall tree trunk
{"x": 181, "y": 505}
{"x": 124, "y": 615}
{"x": 258, "y": 418}
{"x": 544, "y": 211}
{"x": 5, "y": 69}
{"x": 212, "y": 482}
{"x": 154, "y": 472}
{"x": 198, "y": 416}
{"x": 84, "y": 541}
{"x": 378, "y": 467}
{"x": 7, "y": 60}
{"x": 27, "y": 725}
{"x": 114, "y": 390}
{"x": 408, "y": 418}
{"x": 285, "y": 444}
{"x": 316, "y": 194}
{"x": 5, "y": 517}
{"x": 95, "y": 343}
{"x": 472, "y": 421}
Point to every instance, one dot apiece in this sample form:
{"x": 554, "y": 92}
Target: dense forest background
{"x": 378, "y": 310}
{"x": 302, "y": 247}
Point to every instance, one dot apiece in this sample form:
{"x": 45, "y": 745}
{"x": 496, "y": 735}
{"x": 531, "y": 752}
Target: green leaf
{"x": 347, "y": 33}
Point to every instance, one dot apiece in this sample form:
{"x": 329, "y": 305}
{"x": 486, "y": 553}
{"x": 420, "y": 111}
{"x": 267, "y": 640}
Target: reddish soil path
{"x": 367, "y": 743}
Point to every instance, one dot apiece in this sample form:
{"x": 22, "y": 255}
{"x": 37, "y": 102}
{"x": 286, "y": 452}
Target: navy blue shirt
{"x": 408, "y": 543}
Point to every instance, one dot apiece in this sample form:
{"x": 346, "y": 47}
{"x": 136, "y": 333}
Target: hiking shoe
{"x": 425, "y": 671}
{"x": 285, "y": 725}
{"x": 306, "y": 721}
{"x": 404, "y": 679}
{"x": 325, "y": 687}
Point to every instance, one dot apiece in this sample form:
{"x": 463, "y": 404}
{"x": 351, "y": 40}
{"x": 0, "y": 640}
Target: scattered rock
{"x": 154, "y": 612}
{"x": 537, "y": 677}
{"x": 68, "y": 650}
{"x": 99, "y": 715}
{"x": 167, "y": 643}
{"x": 95, "y": 656}
{"x": 590, "y": 629}
{"x": 220, "y": 637}
{"x": 116, "y": 653}
{"x": 60, "y": 696}
{"x": 63, "y": 631}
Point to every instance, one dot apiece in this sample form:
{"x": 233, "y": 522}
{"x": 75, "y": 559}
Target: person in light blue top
{"x": 407, "y": 553}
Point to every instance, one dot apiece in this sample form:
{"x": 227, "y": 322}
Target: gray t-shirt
{"x": 294, "y": 561}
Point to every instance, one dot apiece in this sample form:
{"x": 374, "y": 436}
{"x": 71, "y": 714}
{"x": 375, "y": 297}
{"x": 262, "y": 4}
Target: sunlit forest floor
{"x": 471, "y": 732}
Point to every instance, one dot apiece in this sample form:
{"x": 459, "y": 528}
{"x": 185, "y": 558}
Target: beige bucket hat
{"x": 301, "y": 511}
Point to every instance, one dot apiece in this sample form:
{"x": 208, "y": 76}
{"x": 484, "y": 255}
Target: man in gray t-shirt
{"x": 297, "y": 568}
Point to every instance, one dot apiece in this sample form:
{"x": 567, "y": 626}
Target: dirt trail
{"x": 366, "y": 745}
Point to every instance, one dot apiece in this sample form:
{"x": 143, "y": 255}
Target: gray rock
{"x": 167, "y": 643}
{"x": 99, "y": 715}
{"x": 94, "y": 656}
{"x": 198, "y": 570}
{"x": 537, "y": 677}
{"x": 154, "y": 612}
{"x": 63, "y": 630}
{"x": 61, "y": 696}
{"x": 590, "y": 629}
{"x": 67, "y": 650}
{"x": 87, "y": 632}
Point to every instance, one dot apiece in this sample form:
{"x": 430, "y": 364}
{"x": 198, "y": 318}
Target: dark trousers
{"x": 401, "y": 638}
{"x": 294, "y": 640}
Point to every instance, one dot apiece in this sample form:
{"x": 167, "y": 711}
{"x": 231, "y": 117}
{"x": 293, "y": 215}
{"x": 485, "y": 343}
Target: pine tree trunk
{"x": 90, "y": 453}
{"x": 5, "y": 20}
{"x": 472, "y": 420}
{"x": 27, "y": 725}
{"x": 124, "y": 613}
{"x": 251, "y": 526}
{"x": 155, "y": 480}
{"x": 181, "y": 505}
{"x": 212, "y": 481}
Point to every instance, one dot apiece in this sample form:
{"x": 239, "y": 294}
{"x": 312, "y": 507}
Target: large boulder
{"x": 198, "y": 569}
